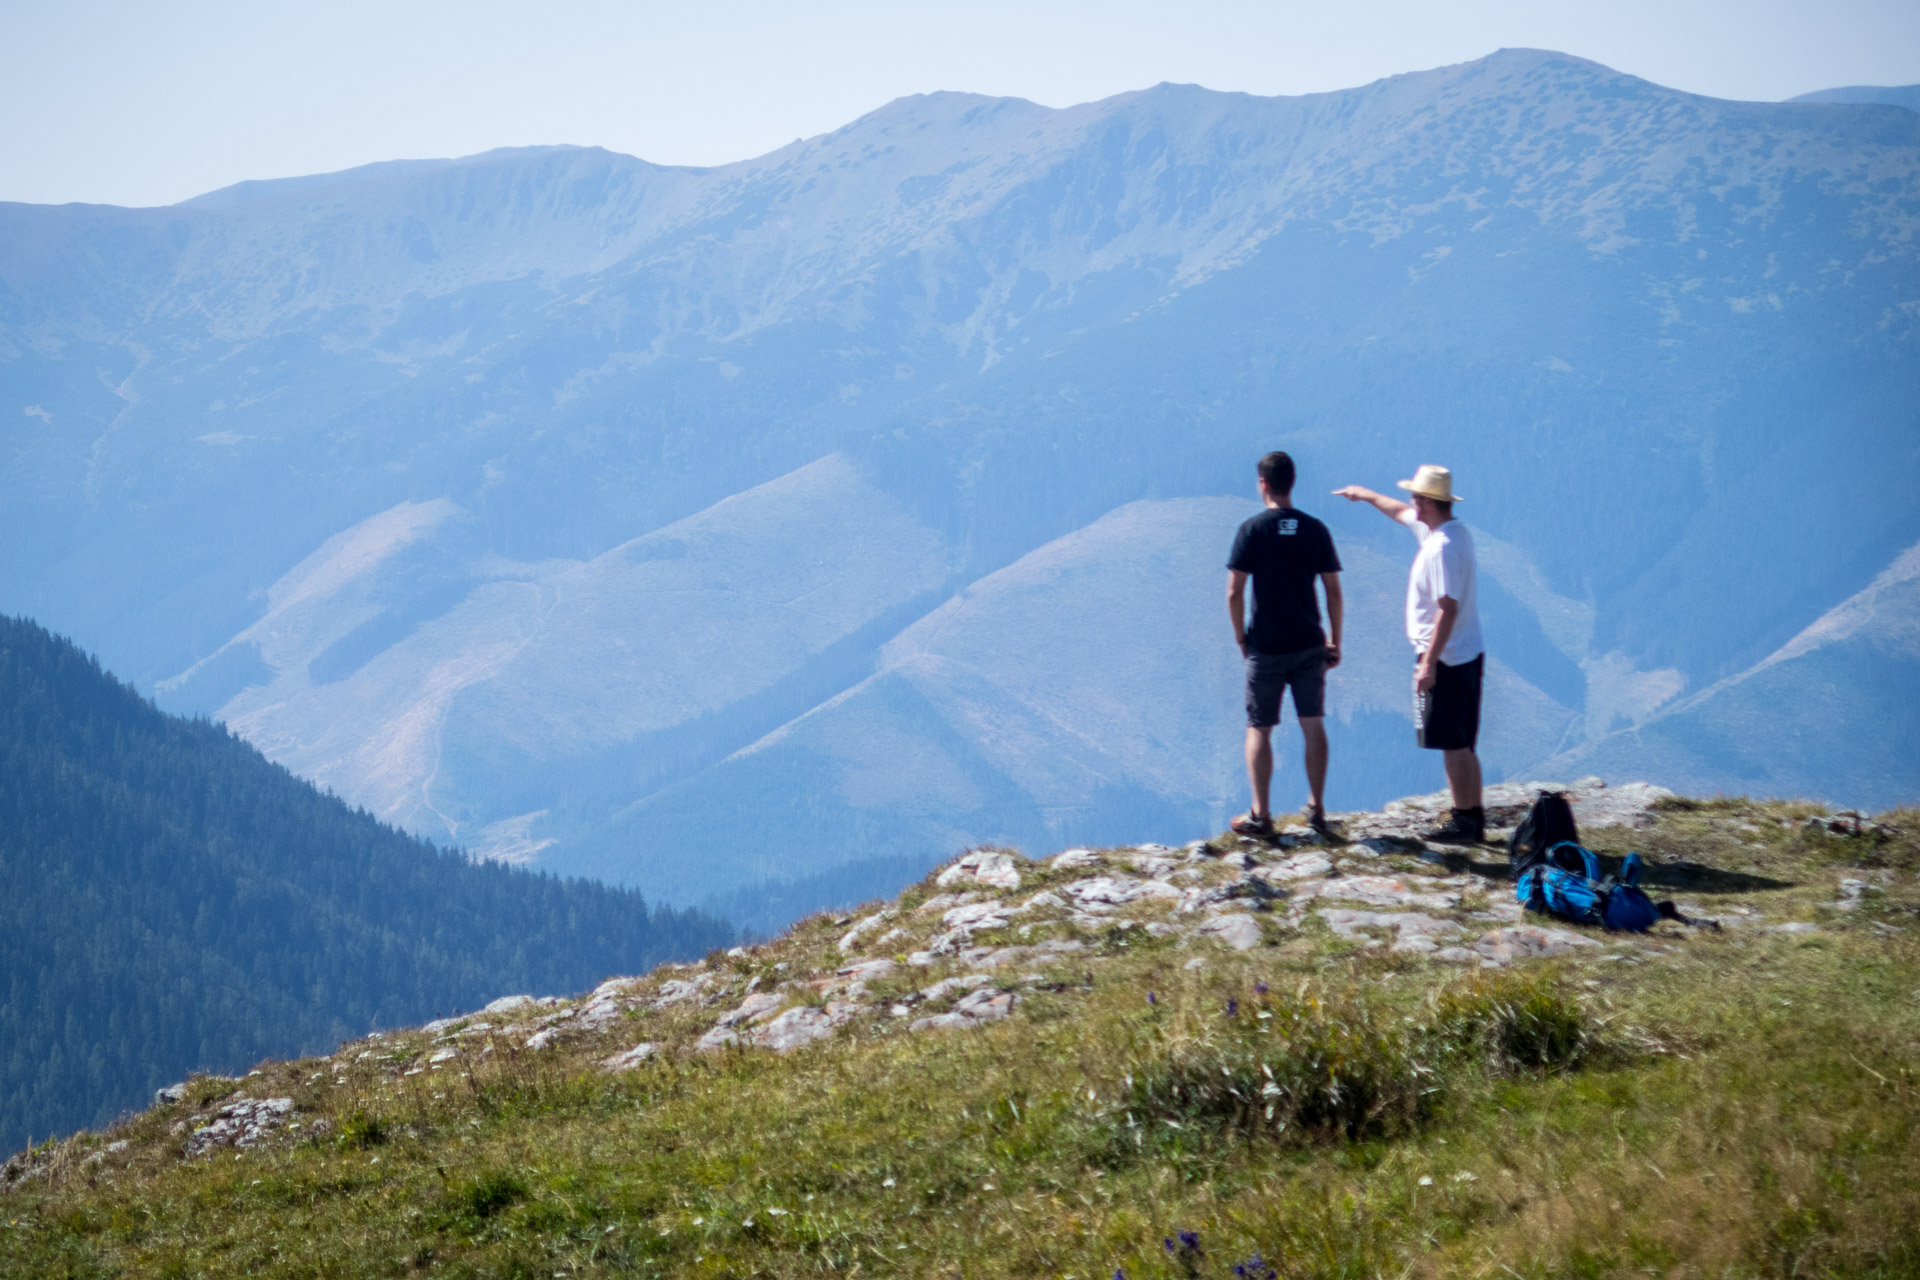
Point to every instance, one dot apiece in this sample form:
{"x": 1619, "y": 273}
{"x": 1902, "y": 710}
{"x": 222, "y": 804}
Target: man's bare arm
{"x": 1237, "y": 606}
{"x": 1336, "y": 616}
{"x": 1391, "y": 508}
{"x": 1423, "y": 675}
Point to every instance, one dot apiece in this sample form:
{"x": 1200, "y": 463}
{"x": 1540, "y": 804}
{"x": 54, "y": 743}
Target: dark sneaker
{"x": 1252, "y": 824}
{"x": 1317, "y": 819}
{"x": 1465, "y": 826}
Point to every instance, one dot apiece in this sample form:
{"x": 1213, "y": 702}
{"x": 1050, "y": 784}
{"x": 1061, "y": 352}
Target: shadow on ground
{"x": 1681, "y": 876}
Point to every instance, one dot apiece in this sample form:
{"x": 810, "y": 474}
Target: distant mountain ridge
{"x": 171, "y": 901}
{"x": 1905, "y": 95}
{"x": 483, "y": 490}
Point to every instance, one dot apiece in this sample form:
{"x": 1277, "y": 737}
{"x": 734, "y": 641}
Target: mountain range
{"x": 758, "y": 535}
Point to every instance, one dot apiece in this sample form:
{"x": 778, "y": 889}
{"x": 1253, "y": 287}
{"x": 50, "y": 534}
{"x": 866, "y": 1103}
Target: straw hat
{"x": 1432, "y": 482}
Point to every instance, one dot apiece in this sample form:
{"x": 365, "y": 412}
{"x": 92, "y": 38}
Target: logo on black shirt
{"x": 1289, "y": 526}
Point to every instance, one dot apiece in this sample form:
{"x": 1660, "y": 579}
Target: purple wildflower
{"x": 1150, "y": 999}
{"x": 1233, "y": 1006}
{"x": 1259, "y": 988}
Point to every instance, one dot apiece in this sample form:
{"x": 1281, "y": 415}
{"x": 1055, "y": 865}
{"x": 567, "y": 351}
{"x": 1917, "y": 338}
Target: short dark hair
{"x": 1277, "y": 470}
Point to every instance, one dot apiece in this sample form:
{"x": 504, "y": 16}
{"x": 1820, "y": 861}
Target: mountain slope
{"x": 1226, "y": 1060}
{"x": 170, "y": 900}
{"x": 1627, "y": 317}
{"x": 1830, "y": 713}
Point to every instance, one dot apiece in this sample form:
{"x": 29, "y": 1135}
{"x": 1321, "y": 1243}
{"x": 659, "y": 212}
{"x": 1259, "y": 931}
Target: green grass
{"x": 1714, "y": 1105}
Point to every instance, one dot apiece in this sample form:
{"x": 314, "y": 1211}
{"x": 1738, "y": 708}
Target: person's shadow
{"x": 1681, "y": 876}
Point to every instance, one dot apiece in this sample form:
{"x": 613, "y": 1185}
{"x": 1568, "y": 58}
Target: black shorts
{"x": 1270, "y": 674}
{"x": 1450, "y": 714}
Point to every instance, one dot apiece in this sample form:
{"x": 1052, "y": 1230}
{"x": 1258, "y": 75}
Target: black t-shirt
{"x": 1284, "y": 550}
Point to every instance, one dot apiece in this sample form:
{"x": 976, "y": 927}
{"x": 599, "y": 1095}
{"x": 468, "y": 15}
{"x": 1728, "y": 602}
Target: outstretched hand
{"x": 1353, "y": 493}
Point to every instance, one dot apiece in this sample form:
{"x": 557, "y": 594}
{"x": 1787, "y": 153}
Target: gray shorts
{"x": 1270, "y": 674}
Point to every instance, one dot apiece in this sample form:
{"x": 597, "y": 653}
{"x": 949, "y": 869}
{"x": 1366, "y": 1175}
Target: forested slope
{"x": 171, "y": 900}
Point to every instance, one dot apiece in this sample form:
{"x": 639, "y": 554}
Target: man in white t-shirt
{"x": 1443, "y": 622}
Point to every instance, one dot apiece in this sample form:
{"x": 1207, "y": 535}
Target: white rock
{"x": 982, "y": 866}
{"x": 1414, "y": 932}
{"x": 1041, "y": 901}
{"x": 945, "y": 902}
{"x": 445, "y": 1055}
{"x": 673, "y": 990}
{"x": 867, "y": 970}
{"x": 988, "y": 1004}
{"x": 851, "y": 938}
{"x": 1794, "y": 926}
{"x": 1237, "y": 929}
{"x": 1299, "y": 867}
{"x": 1385, "y": 891}
{"x": 1154, "y": 866}
{"x": 1074, "y": 860}
{"x": 1118, "y": 891}
{"x": 800, "y": 1025}
{"x": 1528, "y": 942}
{"x": 242, "y": 1122}
{"x": 976, "y": 915}
{"x": 755, "y": 1008}
{"x": 510, "y": 1004}
{"x": 627, "y": 1059}
{"x": 540, "y": 1040}
{"x": 1628, "y": 805}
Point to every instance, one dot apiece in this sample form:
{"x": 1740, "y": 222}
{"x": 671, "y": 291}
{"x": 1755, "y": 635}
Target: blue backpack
{"x": 1568, "y": 883}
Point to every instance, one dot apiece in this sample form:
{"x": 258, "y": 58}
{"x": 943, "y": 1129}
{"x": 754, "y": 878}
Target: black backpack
{"x": 1548, "y": 824}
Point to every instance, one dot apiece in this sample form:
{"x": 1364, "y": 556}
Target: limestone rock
{"x": 511, "y": 1004}
{"x": 755, "y": 1008}
{"x": 802, "y": 1024}
{"x": 242, "y": 1122}
{"x": 850, "y": 940}
{"x": 984, "y": 1005}
{"x": 982, "y": 866}
{"x": 1300, "y": 866}
{"x": 628, "y": 1059}
{"x": 1528, "y": 942}
{"x": 1074, "y": 860}
{"x": 1237, "y": 929}
{"x": 1386, "y": 891}
{"x": 976, "y": 915}
{"x": 1413, "y": 932}
{"x": 1104, "y": 893}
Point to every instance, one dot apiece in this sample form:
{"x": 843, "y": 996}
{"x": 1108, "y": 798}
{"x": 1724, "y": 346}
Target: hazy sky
{"x": 150, "y": 102}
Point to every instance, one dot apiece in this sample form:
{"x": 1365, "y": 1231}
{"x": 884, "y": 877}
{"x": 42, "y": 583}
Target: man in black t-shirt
{"x": 1283, "y": 551}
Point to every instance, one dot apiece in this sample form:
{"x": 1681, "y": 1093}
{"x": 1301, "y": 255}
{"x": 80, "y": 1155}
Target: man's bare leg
{"x": 1314, "y": 730}
{"x": 1463, "y": 777}
{"x": 1260, "y": 768}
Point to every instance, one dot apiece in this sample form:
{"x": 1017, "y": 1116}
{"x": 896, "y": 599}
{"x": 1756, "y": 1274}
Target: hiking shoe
{"x": 1465, "y": 826}
{"x": 1252, "y": 824}
{"x": 1317, "y": 819}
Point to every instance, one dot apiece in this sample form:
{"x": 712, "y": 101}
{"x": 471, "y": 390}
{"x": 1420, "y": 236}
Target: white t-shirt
{"x": 1443, "y": 567}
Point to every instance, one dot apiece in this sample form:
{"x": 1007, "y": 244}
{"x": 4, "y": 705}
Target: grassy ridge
{"x": 1744, "y": 1103}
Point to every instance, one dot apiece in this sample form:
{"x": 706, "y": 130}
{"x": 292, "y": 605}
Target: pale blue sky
{"x": 151, "y": 102}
